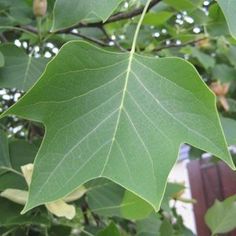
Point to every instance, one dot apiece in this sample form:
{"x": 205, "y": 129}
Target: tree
{"x": 100, "y": 122}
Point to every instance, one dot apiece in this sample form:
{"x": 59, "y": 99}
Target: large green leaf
{"x": 220, "y": 218}
{"x": 229, "y": 7}
{"x": 121, "y": 116}
{"x": 20, "y": 70}
{"x": 81, "y": 10}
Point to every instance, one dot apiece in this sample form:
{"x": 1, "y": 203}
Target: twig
{"x": 113, "y": 18}
{"x": 128, "y": 15}
{"x": 179, "y": 45}
{"x": 91, "y": 39}
{"x": 110, "y": 40}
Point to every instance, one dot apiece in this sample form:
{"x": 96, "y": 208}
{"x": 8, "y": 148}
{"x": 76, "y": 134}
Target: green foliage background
{"x": 201, "y": 32}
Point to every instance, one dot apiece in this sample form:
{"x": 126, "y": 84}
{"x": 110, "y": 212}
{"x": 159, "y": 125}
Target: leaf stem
{"x": 139, "y": 26}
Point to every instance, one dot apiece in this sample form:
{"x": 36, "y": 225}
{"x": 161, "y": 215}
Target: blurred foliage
{"x": 195, "y": 30}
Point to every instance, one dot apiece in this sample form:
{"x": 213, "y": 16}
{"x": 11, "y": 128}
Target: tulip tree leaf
{"x": 229, "y": 7}
{"x": 220, "y": 218}
{"x": 20, "y": 70}
{"x": 121, "y": 116}
{"x": 81, "y": 10}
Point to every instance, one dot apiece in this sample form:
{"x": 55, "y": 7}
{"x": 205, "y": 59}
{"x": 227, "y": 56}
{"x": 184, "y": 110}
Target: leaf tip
{"x": 28, "y": 206}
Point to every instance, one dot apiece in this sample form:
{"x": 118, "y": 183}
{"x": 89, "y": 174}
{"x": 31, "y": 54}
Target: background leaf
{"x": 220, "y": 218}
{"x": 228, "y": 7}
{"x": 81, "y": 10}
{"x": 229, "y": 126}
{"x": 10, "y": 215}
{"x": 20, "y": 70}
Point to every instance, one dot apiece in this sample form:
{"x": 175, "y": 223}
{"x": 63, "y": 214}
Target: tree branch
{"x": 179, "y": 45}
{"x": 128, "y": 15}
{"x": 91, "y": 39}
{"x": 100, "y": 24}
{"x": 110, "y": 40}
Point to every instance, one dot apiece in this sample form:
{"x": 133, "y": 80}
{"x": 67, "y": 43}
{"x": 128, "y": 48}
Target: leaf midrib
{"x": 120, "y": 109}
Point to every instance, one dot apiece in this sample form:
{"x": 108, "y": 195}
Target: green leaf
{"x": 4, "y": 151}
{"x": 229, "y": 126}
{"x": 22, "y": 153}
{"x": 16, "y": 153}
{"x": 229, "y": 7}
{"x": 111, "y": 229}
{"x": 115, "y": 115}
{"x": 232, "y": 104}
{"x": 220, "y": 218}
{"x": 184, "y": 4}
{"x": 104, "y": 197}
{"x": 166, "y": 228}
{"x": 12, "y": 156}
{"x": 60, "y": 230}
{"x": 10, "y": 215}
{"x": 12, "y": 180}
{"x": 149, "y": 226}
{"x": 109, "y": 199}
{"x": 20, "y": 70}
{"x": 172, "y": 189}
{"x": 2, "y": 61}
{"x": 216, "y": 25}
{"x": 158, "y": 18}
{"x": 80, "y": 10}
{"x": 134, "y": 208}
{"x": 206, "y": 60}
{"x": 223, "y": 73}
{"x": 8, "y": 177}
{"x": 231, "y": 55}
